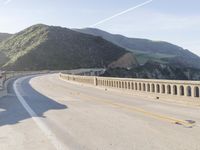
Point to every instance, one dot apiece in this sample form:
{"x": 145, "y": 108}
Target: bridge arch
{"x": 182, "y": 92}
{"x": 157, "y": 88}
{"x": 169, "y": 89}
{"x": 132, "y": 87}
{"x": 136, "y": 86}
{"x": 148, "y": 88}
{"x": 196, "y": 91}
{"x": 175, "y": 90}
{"x": 144, "y": 87}
{"x": 119, "y": 84}
{"x": 129, "y": 85}
{"x": 113, "y": 83}
{"x": 126, "y": 86}
{"x": 189, "y": 91}
{"x": 163, "y": 88}
{"x": 152, "y": 87}
{"x": 122, "y": 85}
{"x": 140, "y": 86}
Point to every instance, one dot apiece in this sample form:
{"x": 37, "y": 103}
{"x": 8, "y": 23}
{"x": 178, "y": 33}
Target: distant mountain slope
{"x": 146, "y": 50}
{"x": 4, "y": 36}
{"x": 48, "y": 47}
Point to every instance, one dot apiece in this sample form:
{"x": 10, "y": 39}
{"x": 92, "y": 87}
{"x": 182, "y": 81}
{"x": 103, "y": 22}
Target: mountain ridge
{"x": 144, "y": 49}
{"x": 4, "y": 36}
{"x": 51, "y": 47}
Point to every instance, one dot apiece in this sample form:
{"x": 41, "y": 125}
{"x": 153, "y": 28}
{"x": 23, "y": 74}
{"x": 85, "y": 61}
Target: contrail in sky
{"x": 121, "y": 13}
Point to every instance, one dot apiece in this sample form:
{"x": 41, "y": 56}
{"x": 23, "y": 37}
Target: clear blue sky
{"x": 176, "y": 21}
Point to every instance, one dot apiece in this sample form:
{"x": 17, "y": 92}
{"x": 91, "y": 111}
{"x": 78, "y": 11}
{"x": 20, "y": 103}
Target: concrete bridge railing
{"x": 5, "y": 76}
{"x": 159, "y": 88}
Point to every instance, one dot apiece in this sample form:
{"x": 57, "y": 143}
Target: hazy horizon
{"x": 176, "y": 22}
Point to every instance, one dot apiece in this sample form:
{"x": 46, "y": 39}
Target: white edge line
{"x": 45, "y": 129}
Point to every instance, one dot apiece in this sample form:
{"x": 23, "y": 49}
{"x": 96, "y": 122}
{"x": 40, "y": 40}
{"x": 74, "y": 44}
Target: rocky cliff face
{"x": 153, "y": 70}
{"x": 128, "y": 60}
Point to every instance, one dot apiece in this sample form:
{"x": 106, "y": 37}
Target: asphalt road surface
{"x": 46, "y": 113}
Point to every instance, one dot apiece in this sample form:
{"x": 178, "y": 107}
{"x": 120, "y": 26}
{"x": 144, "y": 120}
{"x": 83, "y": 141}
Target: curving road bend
{"x": 46, "y": 113}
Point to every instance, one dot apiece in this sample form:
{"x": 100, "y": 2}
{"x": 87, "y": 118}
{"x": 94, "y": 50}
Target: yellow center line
{"x": 136, "y": 109}
{"x": 140, "y": 110}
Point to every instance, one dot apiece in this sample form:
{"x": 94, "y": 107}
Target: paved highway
{"x": 46, "y": 113}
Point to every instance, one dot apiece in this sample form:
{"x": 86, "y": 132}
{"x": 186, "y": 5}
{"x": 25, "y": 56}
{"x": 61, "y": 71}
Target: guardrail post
{"x": 95, "y": 81}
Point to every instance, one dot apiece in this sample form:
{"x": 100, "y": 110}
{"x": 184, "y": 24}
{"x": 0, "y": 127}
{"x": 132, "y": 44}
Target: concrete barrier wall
{"x": 5, "y": 76}
{"x": 11, "y": 74}
{"x": 158, "y": 88}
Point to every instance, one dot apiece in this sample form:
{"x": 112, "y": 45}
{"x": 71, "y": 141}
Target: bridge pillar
{"x": 192, "y": 91}
{"x": 187, "y": 92}
{"x": 95, "y": 81}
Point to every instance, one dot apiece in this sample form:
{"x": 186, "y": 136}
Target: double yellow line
{"x": 136, "y": 109}
{"x": 142, "y": 111}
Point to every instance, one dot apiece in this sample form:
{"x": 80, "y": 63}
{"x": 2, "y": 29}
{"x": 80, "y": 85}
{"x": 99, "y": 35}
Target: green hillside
{"x": 48, "y": 47}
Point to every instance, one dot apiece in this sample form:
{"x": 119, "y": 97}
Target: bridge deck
{"x": 83, "y": 117}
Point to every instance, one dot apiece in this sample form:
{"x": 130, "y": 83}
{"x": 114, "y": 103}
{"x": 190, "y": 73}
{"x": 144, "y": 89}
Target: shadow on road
{"x": 12, "y": 112}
